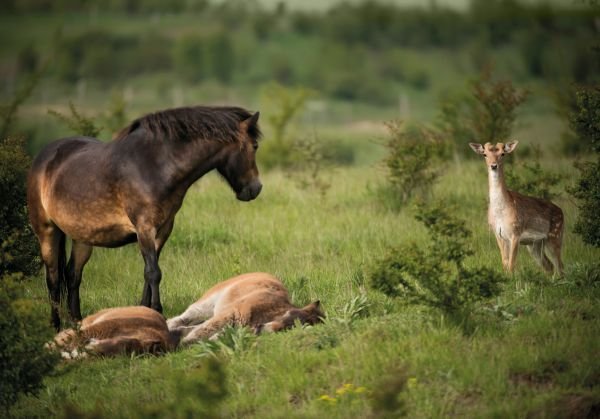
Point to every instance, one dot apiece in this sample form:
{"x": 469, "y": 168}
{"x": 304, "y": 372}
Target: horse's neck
{"x": 194, "y": 161}
{"x": 174, "y": 166}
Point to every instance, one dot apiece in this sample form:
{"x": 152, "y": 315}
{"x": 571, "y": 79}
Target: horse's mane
{"x": 220, "y": 123}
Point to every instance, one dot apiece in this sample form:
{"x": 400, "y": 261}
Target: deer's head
{"x": 494, "y": 154}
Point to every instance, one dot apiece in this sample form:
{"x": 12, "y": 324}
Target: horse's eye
{"x": 503, "y": 154}
{"x": 484, "y": 155}
{"x": 255, "y": 146}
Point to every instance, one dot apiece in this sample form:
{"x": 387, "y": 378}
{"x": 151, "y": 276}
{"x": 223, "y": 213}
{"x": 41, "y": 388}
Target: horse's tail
{"x": 62, "y": 266}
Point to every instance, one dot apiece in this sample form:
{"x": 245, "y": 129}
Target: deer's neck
{"x": 499, "y": 197}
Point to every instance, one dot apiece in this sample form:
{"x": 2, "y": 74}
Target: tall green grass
{"x": 533, "y": 352}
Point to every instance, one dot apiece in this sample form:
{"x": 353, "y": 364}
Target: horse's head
{"x": 310, "y": 314}
{"x": 239, "y": 166}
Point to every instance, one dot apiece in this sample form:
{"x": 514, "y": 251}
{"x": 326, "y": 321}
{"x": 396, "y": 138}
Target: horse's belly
{"x": 106, "y": 230}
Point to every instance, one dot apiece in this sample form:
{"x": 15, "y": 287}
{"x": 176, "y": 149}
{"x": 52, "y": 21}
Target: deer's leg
{"x": 553, "y": 250}
{"x": 512, "y": 253}
{"x": 152, "y": 273}
{"x": 537, "y": 252}
{"x": 80, "y": 254}
{"x": 503, "y": 245}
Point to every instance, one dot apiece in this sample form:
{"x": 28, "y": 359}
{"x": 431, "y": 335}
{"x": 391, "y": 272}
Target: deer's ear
{"x": 477, "y": 148}
{"x": 509, "y": 147}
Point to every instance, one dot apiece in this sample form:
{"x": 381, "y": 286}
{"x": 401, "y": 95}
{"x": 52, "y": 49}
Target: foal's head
{"x": 310, "y": 314}
{"x": 239, "y": 166}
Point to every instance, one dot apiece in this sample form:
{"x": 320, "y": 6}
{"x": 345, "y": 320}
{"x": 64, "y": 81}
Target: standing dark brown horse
{"x": 129, "y": 189}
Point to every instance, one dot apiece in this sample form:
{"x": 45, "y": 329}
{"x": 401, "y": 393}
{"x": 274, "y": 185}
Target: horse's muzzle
{"x": 250, "y": 191}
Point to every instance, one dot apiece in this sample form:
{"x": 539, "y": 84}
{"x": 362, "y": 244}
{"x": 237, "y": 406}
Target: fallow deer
{"x": 258, "y": 300}
{"x": 518, "y": 219}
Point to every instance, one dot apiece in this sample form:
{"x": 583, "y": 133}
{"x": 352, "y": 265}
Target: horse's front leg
{"x": 152, "y": 273}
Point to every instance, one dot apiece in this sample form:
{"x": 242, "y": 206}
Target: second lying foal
{"x": 258, "y": 300}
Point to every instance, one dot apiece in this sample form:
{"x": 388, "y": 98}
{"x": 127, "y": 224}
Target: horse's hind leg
{"x": 52, "y": 247}
{"x": 80, "y": 254}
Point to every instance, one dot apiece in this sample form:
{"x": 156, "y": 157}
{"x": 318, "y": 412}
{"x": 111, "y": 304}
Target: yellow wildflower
{"x": 327, "y": 398}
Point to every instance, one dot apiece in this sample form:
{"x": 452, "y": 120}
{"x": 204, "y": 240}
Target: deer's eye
{"x": 484, "y": 155}
{"x": 503, "y": 154}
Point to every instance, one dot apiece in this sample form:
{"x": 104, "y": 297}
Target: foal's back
{"x": 120, "y": 330}
{"x": 253, "y": 298}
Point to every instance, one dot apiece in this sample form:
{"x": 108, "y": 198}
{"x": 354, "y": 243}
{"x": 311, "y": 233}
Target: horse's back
{"x": 57, "y": 151}
{"x": 51, "y": 158}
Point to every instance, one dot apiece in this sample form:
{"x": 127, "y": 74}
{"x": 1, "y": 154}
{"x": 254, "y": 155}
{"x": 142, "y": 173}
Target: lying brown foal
{"x": 117, "y": 330}
{"x": 258, "y": 300}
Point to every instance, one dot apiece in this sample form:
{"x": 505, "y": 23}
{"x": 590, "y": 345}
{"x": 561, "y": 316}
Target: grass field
{"x": 533, "y": 353}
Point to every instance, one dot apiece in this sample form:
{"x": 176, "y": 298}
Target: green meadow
{"x": 532, "y": 351}
{"x": 533, "y": 354}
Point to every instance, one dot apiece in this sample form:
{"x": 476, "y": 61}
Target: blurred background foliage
{"x": 365, "y": 59}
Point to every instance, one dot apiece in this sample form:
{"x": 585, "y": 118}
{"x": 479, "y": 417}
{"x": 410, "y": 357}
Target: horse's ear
{"x": 315, "y": 305}
{"x": 249, "y": 124}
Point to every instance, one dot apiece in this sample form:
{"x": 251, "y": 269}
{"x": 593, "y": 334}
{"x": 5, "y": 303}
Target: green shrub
{"x": 436, "y": 276}
{"x": 586, "y": 120}
{"x": 530, "y": 179}
{"x": 586, "y": 124}
{"x": 231, "y": 340}
{"x": 411, "y": 153}
{"x": 286, "y": 104}
{"x": 587, "y": 193}
{"x": 23, "y": 332}
{"x": 77, "y": 122}
{"x": 19, "y": 251}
